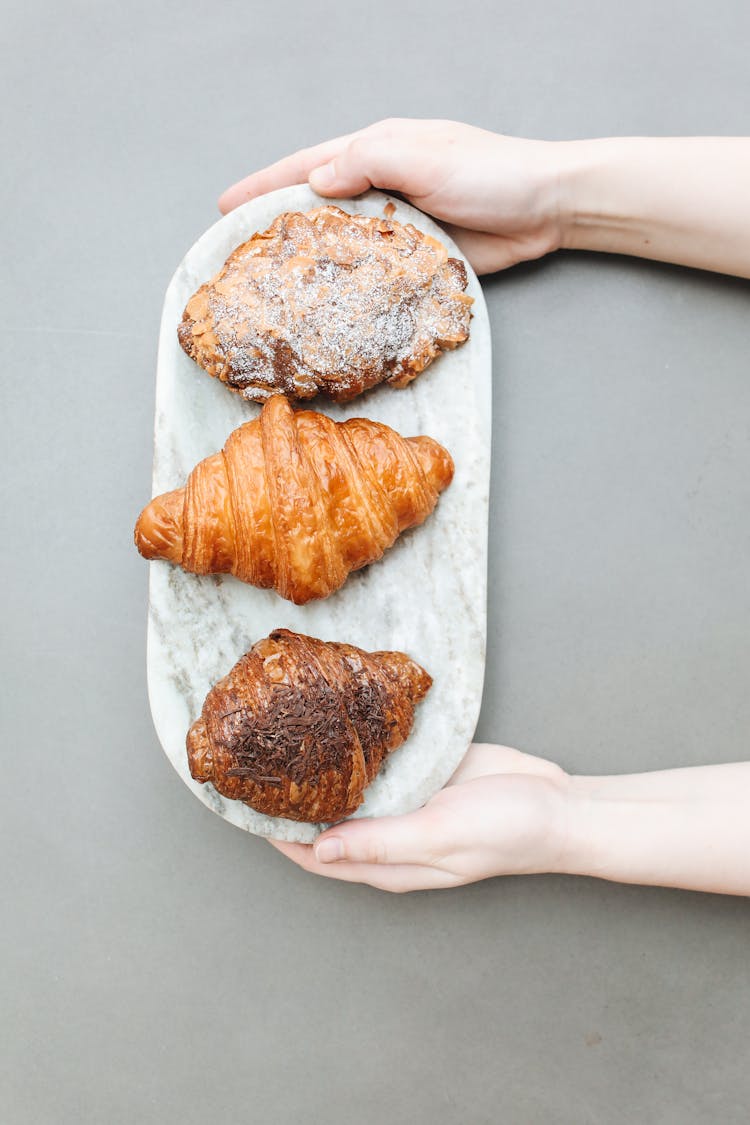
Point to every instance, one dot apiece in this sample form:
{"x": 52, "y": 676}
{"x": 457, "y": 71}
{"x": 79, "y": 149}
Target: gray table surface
{"x": 160, "y": 966}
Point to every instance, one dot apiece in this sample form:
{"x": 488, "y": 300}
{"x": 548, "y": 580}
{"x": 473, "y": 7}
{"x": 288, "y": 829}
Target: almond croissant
{"x": 300, "y": 727}
{"x": 327, "y": 301}
{"x": 295, "y": 501}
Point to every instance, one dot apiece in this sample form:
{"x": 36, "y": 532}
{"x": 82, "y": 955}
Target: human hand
{"x": 498, "y": 197}
{"x": 502, "y": 813}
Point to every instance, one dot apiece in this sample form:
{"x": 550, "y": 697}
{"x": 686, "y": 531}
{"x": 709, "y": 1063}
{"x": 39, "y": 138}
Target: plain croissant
{"x": 300, "y": 727}
{"x": 296, "y": 501}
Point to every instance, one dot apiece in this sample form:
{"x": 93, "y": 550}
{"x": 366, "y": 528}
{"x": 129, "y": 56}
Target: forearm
{"x": 679, "y": 828}
{"x": 674, "y": 199}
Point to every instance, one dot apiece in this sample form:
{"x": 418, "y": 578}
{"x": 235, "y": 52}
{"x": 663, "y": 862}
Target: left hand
{"x": 502, "y": 813}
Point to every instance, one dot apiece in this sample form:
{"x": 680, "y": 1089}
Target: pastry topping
{"x": 307, "y": 747}
{"x": 327, "y": 301}
{"x": 282, "y": 738}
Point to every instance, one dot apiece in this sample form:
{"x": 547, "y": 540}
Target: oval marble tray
{"x": 427, "y": 596}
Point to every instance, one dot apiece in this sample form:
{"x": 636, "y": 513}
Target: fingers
{"x": 293, "y": 169}
{"x": 388, "y": 154}
{"x": 484, "y": 758}
{"x": 397, "y": 878}
{"x": 489, "y": 253}
{"x": 480, "y": 760}
{"x": 486, "y": 252}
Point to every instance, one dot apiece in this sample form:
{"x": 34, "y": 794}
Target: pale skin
{"x": 505, "y": 200}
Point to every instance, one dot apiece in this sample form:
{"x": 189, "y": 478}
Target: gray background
{"x": 160, "y": 966}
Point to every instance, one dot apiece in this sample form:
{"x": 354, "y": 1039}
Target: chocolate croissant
{"x": 300, "y": 727}
{"x": 296, "y": 501}
{"x": 327, "y": 301}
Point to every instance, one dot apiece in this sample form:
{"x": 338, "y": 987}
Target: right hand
{"x": 497, "y": 196}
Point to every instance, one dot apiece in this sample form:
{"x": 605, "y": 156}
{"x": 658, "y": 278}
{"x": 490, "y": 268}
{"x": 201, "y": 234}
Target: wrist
{"x": 586, "y": 192}
{"x": 619, "y": 195}
{"x": 558, "y": 847}
{"x": 616, "y": 831}
{"x": 564, "y": 201}
{"x": 581, "y": 844}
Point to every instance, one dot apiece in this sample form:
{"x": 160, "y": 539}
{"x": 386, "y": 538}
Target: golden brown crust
{"x": 300, "y": 727}
{"x": 296, "y": 501}
{"x": 327, "y": 301}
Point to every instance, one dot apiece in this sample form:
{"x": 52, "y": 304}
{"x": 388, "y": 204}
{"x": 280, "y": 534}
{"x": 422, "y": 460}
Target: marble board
{"x": 426, "y": 597}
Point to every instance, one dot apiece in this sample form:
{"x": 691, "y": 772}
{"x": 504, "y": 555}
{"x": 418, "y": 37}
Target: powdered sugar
{"x": 328, "y": 301}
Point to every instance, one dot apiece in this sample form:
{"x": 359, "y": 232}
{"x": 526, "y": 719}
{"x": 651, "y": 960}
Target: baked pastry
{"x": 295, "y": 501}
{"x": 300, "y": 727}
{"x": 327, "y": 301}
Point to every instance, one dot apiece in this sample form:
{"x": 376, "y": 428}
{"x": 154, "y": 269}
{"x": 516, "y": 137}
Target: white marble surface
{"x": 427, "y": 596}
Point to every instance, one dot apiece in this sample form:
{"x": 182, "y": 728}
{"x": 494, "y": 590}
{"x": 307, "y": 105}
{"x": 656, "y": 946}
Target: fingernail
{"x": 327, "y": 851}
{"x": 323, "y": 177}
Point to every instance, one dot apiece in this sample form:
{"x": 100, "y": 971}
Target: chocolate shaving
{"x": 246, "y": 771}
{"x": 369, "y": 710}
{"x": 290, "y": 745}
{"x": 296, "y": 735}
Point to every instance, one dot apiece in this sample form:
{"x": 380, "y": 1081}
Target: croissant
{"x": 327, "y": 301}
{"x": 295, "y": 501}
{"x": 300, "y": 727}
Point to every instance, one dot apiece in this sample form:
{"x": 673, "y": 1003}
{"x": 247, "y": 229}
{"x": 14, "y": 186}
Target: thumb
{"x": 367, "y": 161}
{"x": 410, "y": 839}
